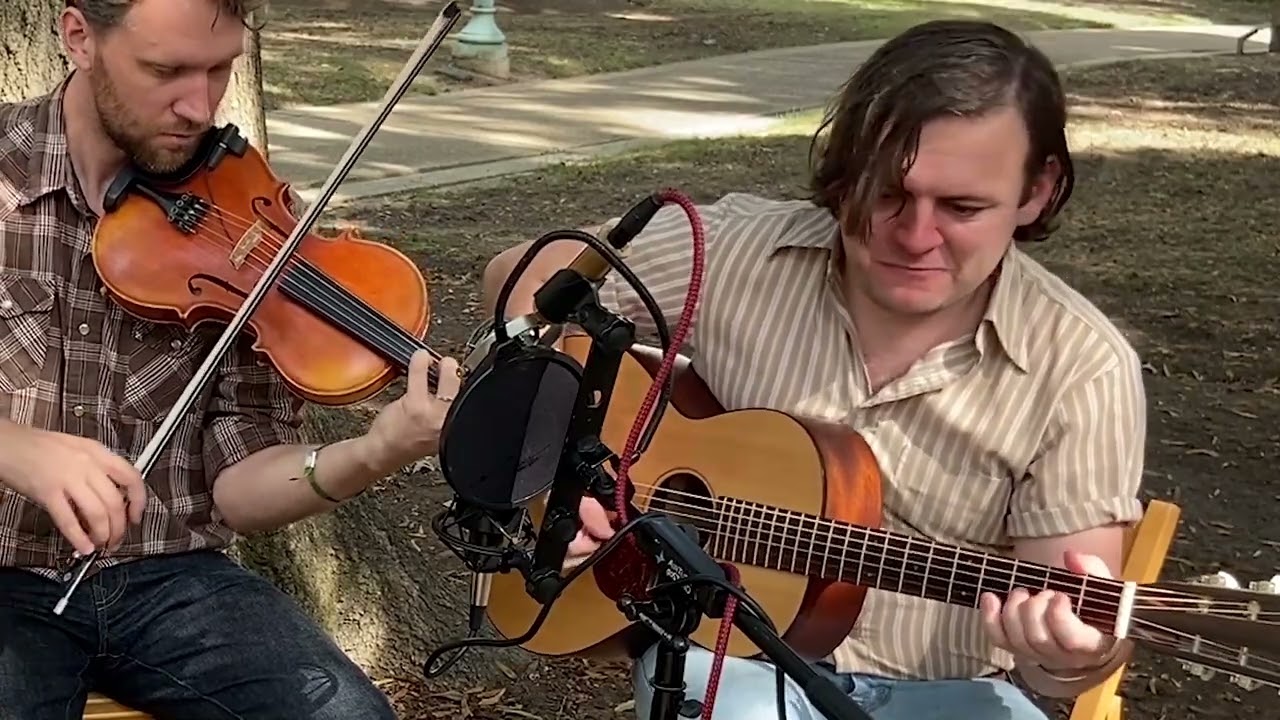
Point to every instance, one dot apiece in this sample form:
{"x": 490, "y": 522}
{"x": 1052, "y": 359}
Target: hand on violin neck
{"x": 91, "y": 493}
{"x": 408, "y": 429}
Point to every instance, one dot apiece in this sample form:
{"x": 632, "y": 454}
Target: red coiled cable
{"x": 672, "y": 196}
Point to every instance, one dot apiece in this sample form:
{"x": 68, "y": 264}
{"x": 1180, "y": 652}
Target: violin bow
{"x": 444, "y": 22}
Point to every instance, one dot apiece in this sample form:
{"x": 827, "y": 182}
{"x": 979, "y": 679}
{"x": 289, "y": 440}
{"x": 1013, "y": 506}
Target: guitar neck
{"x": 753, "y": 534}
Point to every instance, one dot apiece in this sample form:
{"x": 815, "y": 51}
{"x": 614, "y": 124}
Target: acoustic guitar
{"x": 795, "y": 505}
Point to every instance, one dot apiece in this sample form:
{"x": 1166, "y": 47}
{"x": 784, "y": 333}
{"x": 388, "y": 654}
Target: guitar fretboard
{"x": 749, "y": 533}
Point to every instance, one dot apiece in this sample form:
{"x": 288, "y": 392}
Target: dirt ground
{"x": 1172, "y": 231}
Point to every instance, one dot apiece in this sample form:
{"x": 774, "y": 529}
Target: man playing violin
{"x": 165, "y": 621}
{"x": 1006, "y": 412}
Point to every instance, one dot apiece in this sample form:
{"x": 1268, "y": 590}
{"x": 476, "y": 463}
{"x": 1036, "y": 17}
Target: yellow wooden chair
{"x": 1146, "y": 547}
{"x": 104, "y": 708}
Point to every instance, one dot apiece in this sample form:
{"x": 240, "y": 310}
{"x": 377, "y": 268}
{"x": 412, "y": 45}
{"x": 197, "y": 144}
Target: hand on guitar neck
{"x": 1043, "y": 631}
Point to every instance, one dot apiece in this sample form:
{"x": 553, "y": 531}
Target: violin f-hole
{"x": 195, "y": 289}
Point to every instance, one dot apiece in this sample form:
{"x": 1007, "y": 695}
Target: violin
{"x": 338, "y": 317}
{"x": 188, "y": 247}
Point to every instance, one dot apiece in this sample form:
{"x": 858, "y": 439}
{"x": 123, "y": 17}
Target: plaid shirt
{"x": 72, "y": 361}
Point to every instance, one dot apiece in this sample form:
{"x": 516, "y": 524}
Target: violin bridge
{"x": 250, "y": 240}
{"x": 1124, "y": 613}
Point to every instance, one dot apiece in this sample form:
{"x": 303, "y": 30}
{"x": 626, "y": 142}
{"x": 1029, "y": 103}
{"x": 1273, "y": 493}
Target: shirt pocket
{"x": 162, "y": 358}
{"x": 26, "y": 322}
{"x": 953, "y": 497}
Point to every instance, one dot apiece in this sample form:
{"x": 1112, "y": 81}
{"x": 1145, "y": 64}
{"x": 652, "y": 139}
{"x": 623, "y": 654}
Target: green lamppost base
{"x": 480, "y": 44}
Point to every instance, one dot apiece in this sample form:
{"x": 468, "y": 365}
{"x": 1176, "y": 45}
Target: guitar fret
{"x": 906, "y": 554}
{"x": 826, "y": 551}
{"x": 951, "y": 582}
{"x": 788, "y": 540}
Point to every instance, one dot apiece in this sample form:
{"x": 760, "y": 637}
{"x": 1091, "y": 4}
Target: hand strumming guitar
{"x": 596, "y": 529}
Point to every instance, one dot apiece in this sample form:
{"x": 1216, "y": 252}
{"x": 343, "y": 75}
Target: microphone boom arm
{"x": 579, "y": 470}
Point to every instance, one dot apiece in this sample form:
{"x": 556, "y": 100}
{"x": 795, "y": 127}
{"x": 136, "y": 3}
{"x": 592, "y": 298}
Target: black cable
{"x": 608, "y": 547}
{"x": 754, "y": 608}
{"x": 646, "y": 298}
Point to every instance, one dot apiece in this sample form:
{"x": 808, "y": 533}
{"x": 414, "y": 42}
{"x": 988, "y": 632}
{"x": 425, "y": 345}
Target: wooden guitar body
{"x": 762, "y": 455}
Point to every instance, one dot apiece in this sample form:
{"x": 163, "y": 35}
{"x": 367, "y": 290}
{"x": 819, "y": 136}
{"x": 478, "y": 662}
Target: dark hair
{"x": 869, "y": 137}
{"x": 109, "y": 13}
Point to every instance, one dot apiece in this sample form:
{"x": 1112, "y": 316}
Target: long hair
{"x": 869, "y": 137}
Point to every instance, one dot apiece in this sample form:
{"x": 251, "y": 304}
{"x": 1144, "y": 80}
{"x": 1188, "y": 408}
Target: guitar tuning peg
{"x": 1222, "y": 578}
{"x": 1271, "y": 586}
{"x": 1196, "y": 670}
{"x": 1247, "y": 684}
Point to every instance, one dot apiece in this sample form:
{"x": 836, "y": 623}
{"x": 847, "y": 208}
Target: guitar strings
{"x": 1241, "y": 656}
{"x": 768, "y": 532}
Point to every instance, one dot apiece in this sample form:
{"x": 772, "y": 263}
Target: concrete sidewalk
{"x": 459, "y": 136}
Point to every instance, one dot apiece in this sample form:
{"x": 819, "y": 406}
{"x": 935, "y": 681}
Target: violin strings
{"x": 326, "y": 294}
{"x": 774, "y": 535}
{"x": 272, "y": 240}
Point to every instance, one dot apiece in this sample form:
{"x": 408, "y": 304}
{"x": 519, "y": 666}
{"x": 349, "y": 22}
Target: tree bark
{"x": 242, "y": 103}
{"x": 30, "y": 48}
{"x": 1275, "y": 27}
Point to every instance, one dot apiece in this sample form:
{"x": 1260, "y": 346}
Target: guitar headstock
{"x": 1212, "y": 624}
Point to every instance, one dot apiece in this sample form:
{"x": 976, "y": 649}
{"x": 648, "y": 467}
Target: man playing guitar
{"x": 1006, "y": 412}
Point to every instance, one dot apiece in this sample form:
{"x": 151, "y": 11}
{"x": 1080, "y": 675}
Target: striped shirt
{"x": 72, "y": 361}
{"x": 1033, "y": 426}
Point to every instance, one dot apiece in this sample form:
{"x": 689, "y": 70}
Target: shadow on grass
{"x": 321, "y": 53}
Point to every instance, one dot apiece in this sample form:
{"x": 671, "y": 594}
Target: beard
{"x": 137, "y": 138}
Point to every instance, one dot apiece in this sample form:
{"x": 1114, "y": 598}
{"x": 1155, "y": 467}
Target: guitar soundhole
{"x": 687, "y": 499}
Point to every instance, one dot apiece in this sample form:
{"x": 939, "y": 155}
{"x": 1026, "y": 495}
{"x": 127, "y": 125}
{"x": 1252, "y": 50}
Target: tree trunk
{"x": 1275, "y": 27}
{"x": 30, "y": 48}
{"x": 242, "y": 104}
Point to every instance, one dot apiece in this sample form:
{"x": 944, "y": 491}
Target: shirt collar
{"x": 39, "y": 163}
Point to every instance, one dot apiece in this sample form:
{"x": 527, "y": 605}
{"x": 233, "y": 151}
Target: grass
{"x": 1172, "y": 231}
{"x": 331, "y": 52}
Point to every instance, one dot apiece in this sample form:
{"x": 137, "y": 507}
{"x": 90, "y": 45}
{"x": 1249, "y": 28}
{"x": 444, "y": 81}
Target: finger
{"x": 447, "y": 382}
{"x": 114, "y": 502}
{"x": 419, "y": 371}
{"x": 127, "y": 477}
{"x": 92, "y": 513}
{"x": 1033, "y": 622}
{"x": 64, "y": 518}
{"x": 582, "y": 545}
{"x": 1011, "y": 621}
{"x": 595, "y": 521}
{"x": 990, "y": 607}
{"x": 1079, "y": 562}
{"x": 1070, "y": 633}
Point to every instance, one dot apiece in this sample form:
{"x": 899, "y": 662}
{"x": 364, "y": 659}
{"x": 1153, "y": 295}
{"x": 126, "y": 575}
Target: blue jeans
{"x": 188, "y": 637}
{"x": 748, "y": 691}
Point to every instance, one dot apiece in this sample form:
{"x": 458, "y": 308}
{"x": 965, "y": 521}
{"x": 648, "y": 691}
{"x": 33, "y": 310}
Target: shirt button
{"x": 5, "y": 304}
{"x": 78, "y": 411}
{"x": 84, "y": 328}
{"x": 176, "y": 344}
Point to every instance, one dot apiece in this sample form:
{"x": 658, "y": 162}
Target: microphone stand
{"x": 569, "y": 297}
{"x": 674, "y": 612}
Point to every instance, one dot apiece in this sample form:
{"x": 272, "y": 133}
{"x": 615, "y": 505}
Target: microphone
{"x": 517, "y": 425}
